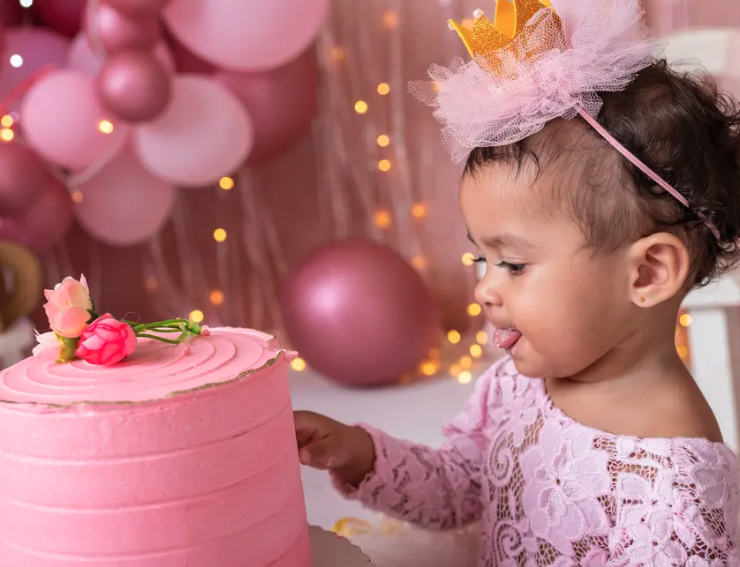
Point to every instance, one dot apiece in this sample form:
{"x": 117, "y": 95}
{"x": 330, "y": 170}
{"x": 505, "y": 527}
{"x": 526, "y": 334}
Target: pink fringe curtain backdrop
{"x": 374, "y": 166}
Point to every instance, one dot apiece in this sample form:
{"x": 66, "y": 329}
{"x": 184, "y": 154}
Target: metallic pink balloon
{"x": 282, "y": 103}
{"x": 35, "y": 208}
{"x": 134, "y": 86}
{"x": 138, "y": 7}
{"x": 359, "y": 313}
{"x": 119, "y": 32}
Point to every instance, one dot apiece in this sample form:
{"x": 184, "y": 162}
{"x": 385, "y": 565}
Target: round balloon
{"x": 82, "y": 58}
{"x": 63, "y": 121}
{"x": 282, "y": 103}
{"x": 134, "y": 86}
{"x": 246, "y": 35}
{"x": 124, "y": 204}
{"x": 203, "y": 134}
{"x": 22, "y": 178}
{"x": 359, "y": 313}
{"x": 64, "y": 16}
{"x": 27, "y": 52}
{"x": 138, "y": 7}
{"x": 119, "y": 31}
{"x": 186, "y": 61}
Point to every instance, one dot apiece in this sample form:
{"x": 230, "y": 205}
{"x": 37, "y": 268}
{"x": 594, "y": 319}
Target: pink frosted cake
{"x": 179, "y": 456}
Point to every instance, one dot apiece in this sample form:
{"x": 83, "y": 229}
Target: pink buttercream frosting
{"x": 181, "y": 455}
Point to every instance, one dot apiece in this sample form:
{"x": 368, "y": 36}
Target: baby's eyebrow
{"x": 504, "y": 240}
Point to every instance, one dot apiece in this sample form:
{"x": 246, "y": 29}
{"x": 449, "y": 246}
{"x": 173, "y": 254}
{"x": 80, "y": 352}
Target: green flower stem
{"x": 183, "y": 326}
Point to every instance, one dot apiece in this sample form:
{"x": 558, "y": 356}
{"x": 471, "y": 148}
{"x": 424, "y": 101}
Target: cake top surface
{"x": 154, "y": 371}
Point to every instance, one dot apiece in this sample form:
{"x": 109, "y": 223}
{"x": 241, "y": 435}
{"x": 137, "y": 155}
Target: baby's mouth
{"x": 505, "y": 339}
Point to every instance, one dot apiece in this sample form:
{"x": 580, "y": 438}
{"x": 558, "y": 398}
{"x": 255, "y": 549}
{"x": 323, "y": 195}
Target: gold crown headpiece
{"x": 483, "y": 38}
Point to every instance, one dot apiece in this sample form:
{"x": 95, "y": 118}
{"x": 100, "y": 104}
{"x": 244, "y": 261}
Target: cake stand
{"x": 330, "y": 550}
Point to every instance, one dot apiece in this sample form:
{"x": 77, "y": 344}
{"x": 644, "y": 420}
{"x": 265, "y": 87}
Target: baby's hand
{"x": 326, "y": 444}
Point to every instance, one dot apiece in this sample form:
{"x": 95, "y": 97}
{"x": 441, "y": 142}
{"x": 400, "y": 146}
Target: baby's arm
{"x": 432, "y": 488}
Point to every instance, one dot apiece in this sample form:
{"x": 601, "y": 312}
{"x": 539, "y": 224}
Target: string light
{"x": 337, "y": 53}
{"x": 384, "y": 89}
{"x": 226, "y": 183}
{"x": 433, "y": 353}
{"x": 6, "y": 134}
{"x": 476, "y": 351}
{"x": 360, "y": 107}
{"x": 216, "y": 297}
{"x": 474, "y": 309}
{"x": 6, "y": 121}
{"x": 16, "y": 60}
{"x": 26, "y": 3}
{"x": 453, "y": 337}
{"x": 455, "y": 370}
{"x": 151, "y": 284}
{"x": 419, "y": 210}
{"x": 219, "y": 235}
{"x": 481, "y": 337}
{"x": 382, "y": 219}
{"x": 419, "y": 262}
{"x": 466, "y": 362}
{"x": 298, "y": 364}
{"x": 429, "y": 367}
{"x": 685, "y": 320}
{"x": 77, "y": 197}
{"x": 464, "y": 377}
{"x": 384, "y": 165}
{"x": 105, "y": 126}
{"x": 196, "y": 316}
{"x": 384, "y": 141}
{"x": 468, "y": 259}
{"x": 390, "y": 19}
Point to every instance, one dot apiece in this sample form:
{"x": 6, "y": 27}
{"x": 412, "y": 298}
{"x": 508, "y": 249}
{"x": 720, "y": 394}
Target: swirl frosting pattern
{"x": 182, "y": 455}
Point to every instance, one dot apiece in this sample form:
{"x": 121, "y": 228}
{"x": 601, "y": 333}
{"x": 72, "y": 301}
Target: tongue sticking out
{"x": 505, "y": 338}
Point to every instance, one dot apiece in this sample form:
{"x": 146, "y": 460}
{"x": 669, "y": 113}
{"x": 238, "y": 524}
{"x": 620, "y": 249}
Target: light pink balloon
{"x": 240, "y": 35}
{"x": 204, "y": 134}
{"x": 81, "y": 57}
{"x": 282, "y": 103}
{"x": 118, "y": 32}
{"x": 61, "y": 119}
{"x": 124, "y": 204}
{"x": 38, "y": 49}
{"x": 138, "y": 7}
{"x": 134, "y": 86}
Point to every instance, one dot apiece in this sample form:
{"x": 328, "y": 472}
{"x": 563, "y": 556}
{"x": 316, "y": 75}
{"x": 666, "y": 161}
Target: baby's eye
{"x": 479, "y": 260}
{"x": 515, "y": 269}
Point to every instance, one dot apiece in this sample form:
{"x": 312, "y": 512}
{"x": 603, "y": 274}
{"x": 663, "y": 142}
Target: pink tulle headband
{"x": 537, "y": 61}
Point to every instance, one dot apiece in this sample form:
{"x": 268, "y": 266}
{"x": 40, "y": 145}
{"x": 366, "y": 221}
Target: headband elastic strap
{"x": 642, "y": 167}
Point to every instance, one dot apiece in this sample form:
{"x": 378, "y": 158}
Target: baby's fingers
{"x": 322, "y": 454}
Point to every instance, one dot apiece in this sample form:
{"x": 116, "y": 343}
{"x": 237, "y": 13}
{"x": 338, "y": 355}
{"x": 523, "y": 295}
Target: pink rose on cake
{"x": 106, "y": 341}
{"x": 69, "y": 307}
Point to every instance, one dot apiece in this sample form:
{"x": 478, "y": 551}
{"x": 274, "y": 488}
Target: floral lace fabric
{"x": 551, "y": 492}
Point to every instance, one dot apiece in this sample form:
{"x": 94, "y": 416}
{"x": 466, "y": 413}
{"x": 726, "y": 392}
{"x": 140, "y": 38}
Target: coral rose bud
{"x": 68, "y": 307}
{"x": 106, "y": 341}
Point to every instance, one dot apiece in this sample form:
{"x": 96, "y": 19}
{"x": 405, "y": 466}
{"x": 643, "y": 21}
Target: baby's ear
{"x": 659, "y": 266}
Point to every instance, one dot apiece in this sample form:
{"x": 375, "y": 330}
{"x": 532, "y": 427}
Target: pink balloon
{"x": 124, "y": 204}
{"x": 61, "y": 119}
{"x": 246, "y": 35}
{"x": 81, "y": 57}
{"x": 35, "y": 208}
{"x": 2, "y": 35}
{"x": 134, "y": 86}
{"x": 64, "y": 16}
{"x": 27, "y": 52}
{"x": 118, "y": 32}
{"x": 282, "y": 103}
{"x": 186, "y": 62}
{"x": 359, "y": 313}
{"x": 203, "y": 134}
{"x": 11, "y": 13}
{"x": 138, "y": 7}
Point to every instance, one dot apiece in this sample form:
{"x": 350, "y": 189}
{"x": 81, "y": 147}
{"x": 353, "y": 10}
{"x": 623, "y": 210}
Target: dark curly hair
{"x": 684, "y": 130}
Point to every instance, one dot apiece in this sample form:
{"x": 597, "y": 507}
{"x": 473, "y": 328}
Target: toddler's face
{"x": 558, "y": 309}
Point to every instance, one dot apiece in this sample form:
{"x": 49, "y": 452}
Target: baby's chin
{"x": 531, "y": 364}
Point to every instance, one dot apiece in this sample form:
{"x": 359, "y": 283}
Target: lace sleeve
{"x": 686, "y": 516}
{"x": 432, "y": 488}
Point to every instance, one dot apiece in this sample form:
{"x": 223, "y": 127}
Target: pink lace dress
{"x": 551, "y": 492}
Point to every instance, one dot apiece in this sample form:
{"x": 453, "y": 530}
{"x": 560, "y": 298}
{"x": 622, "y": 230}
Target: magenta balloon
{"x": 124, "y": 204}
{"x": 64, "y": 16}
{"x": 11, "y": 13}
{"x": 282, "y": 103}
{"x": 138, "y": 7}
{"x": 120, "y": 32}
{"x": 35, "y": 208}
{"x": 134, "y": 86}
{"x": 81, "y": 57}
{"x": 246, "y": 36}
{"x": 36, "y": 49}
{"x": 359, "y": 313}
